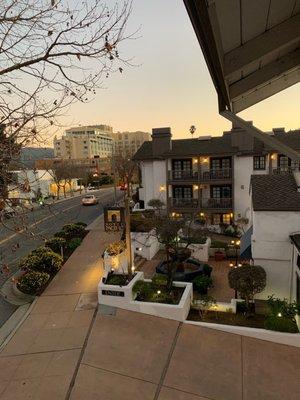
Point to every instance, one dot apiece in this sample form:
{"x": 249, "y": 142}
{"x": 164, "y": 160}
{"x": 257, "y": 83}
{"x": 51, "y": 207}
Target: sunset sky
{"x": 170, "y": 84}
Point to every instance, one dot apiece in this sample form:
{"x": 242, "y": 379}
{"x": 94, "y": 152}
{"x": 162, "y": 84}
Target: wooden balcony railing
{"x": 185, "y": 203}
{"x": 216, "y": 204}
{"x": 207, "y": 176}
{"x": 185, "y": 174}
{"x": 217, "y": 174}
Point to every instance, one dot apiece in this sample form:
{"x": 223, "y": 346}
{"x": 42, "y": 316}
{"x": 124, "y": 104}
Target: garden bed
{"x": 118, "y": 279}
{"x": 164, "y": 296}
{"x": 226, "y": 318}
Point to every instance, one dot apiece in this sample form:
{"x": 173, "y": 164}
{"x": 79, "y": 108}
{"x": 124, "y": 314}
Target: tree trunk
{"x": 128, "y": 236}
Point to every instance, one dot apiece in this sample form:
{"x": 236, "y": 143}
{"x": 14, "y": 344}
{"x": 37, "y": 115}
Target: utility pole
{"x": 115, "y": 176}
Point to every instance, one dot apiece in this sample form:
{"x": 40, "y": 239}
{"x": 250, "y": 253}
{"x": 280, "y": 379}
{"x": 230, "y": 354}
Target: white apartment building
{"x": 129, "y": 142}
{"x": 209, "y": 177}
{"x": 93, "y": 141}
{"x": 275, "y": 233}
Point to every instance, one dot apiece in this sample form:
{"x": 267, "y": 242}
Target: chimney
{"x": 242, "y": 139}
{"x": 161, "y": 141}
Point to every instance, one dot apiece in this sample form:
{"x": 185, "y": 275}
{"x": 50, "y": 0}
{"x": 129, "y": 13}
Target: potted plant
{"x": 115, "y": 258}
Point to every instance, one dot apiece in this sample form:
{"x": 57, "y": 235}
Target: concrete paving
{"x": 65, "y": 349}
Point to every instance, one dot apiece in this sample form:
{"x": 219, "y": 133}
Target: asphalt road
{"x": 21, "y": 234}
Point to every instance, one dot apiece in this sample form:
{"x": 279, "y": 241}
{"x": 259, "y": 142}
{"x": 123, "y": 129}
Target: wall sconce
{"x": 231, "y": 215}
{"x": 173, "y": 214}
{"x": 205, "y": 159}
{"x": 195, "y": 187}
{"x": 202, "y": 214}
{"x": 273, "y": 156}
{"x": 195, "y": 160}
{"x": 162, "y": 188}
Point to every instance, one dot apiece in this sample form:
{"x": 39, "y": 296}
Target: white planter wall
{"x": 178, "y": 312}
{"x": 201, "y": 251}
{"x": 145, "y": 244}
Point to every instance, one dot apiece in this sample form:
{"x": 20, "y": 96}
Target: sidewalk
{"x": 40, "y": 359}
{"x": 66, "y": 350}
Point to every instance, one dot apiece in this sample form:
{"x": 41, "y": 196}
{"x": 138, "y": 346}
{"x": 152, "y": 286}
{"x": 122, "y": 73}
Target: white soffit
{"x": 252, "y": 47}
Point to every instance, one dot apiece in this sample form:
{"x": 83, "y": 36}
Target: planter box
{"x": 119, "y": 263}
{"x": 145, "y": 244}
{"x": 200, "y": 251}
{"x": 122, "y": 297}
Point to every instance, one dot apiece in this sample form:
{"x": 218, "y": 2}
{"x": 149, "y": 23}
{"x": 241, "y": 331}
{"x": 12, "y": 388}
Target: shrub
{"x": 159, "y": 280}
{"x": 115, "y": 248}
{"x": 248, "y": 280}
{"x": 81, "y": 224}
{"x": 43, "y": 259}
{"x": 32, "y": 282}
{"x": 281, "y": 324}
{"x": 56, "y": 243}
{"x": 119, "y": 280}
{"x": 207, "y": 270}
{"x": 73, "y": 230}
{"x": 74, "y": 243}
{"x": 143, "y": 290}
{"x": 282, "y": 315}
{"x": 202, "y": 283}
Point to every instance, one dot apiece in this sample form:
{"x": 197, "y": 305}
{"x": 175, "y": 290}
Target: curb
{"x": 10, "y": 327}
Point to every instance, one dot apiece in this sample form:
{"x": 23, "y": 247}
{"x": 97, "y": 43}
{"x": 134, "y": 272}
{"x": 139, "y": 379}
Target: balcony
{"x": 183, "y": 175}
{"x": 184, "y": 203}
{"x": 285, "y": 170}
{"x": 217, "y": 175}
{"x": 206, "y": 176}
{"x": 217, "y": 204}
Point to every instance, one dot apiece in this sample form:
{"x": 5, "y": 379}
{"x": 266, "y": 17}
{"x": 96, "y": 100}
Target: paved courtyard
{"x": 66, "y": 349}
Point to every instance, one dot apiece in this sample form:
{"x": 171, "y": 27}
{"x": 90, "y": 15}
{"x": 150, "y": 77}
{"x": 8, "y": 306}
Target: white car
{"x": 89, "y": 200}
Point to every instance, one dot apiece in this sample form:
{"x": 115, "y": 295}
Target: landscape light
{"x": 279, "y": 314}
{"x": 158, "y": 292}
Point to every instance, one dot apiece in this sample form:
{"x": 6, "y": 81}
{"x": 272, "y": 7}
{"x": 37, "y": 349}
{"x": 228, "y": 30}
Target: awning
{"x": 252, "y": 50}
{"x": 251, "y": 47}
{"x": 245, "y": 247}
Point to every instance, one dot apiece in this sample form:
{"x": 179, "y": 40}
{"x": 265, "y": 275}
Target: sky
{"x": 170, "y": 84}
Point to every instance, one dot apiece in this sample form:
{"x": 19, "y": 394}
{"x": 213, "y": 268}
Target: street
{"x": 19, "y": 236}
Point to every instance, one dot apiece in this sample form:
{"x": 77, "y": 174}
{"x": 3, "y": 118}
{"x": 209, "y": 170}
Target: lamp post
{"x": 236, "y": 244}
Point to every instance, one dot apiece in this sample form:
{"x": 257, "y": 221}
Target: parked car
{"x": 89, "y": 200}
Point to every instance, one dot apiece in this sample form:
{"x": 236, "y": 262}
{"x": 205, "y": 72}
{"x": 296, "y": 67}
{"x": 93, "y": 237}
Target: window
{"x": 226, "y": 219}
{"x": 220, "y": 192}
{"x": 185, "y": 192}
{"x": 220, "y": 163}
{"x": 216, "y": 219}
{"x": 259, "y": 162}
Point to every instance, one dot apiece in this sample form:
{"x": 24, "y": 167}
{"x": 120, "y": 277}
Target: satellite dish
{"x": 192, "y": 130}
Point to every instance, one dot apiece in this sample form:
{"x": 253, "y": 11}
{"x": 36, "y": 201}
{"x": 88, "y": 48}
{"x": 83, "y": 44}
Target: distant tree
{"x": 157, "y": 204}
{"x": 53, "y": 53}
{"x": 248, "y": 280}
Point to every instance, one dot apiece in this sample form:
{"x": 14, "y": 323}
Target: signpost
{"x": 114, "y": 218}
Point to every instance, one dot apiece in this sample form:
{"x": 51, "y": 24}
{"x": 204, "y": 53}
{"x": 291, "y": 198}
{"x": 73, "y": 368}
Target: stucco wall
{"x": 243, "y": 169}
{"x": 153, "y": 177}
{"x": 272, "y": 249}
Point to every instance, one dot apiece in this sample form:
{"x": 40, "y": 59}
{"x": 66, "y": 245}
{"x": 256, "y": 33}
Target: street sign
{"x": 114, "y": 218}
